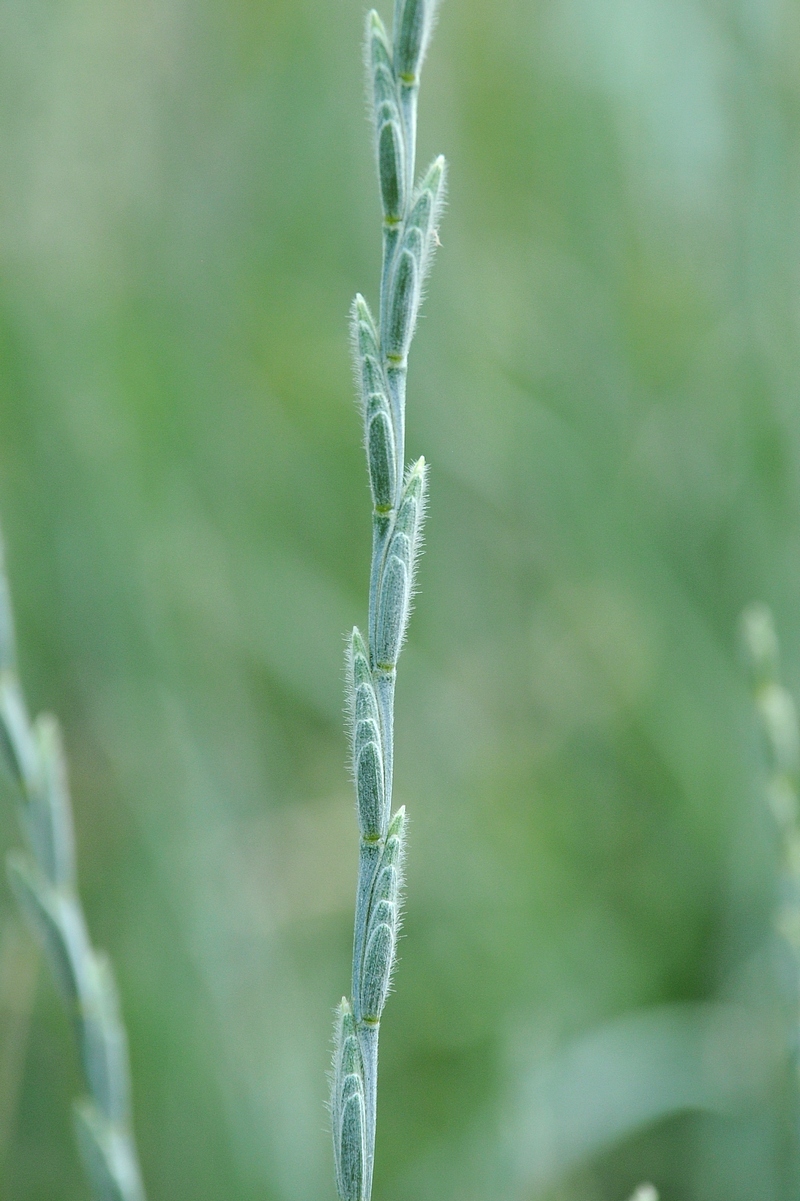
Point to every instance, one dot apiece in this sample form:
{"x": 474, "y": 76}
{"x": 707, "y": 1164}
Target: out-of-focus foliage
{"x": 606, "y": 385}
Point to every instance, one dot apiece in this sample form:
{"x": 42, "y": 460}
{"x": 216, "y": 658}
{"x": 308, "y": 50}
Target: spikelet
{"x": 397, "y": 577}
{"x": 348, "y": 1113}
{"x": 388, "y": 122}
{"x": 383, "y": 923}
{"x": 367, "y": 746}
{"x": 379, "y": 440}
{"x": 413, "y": 25}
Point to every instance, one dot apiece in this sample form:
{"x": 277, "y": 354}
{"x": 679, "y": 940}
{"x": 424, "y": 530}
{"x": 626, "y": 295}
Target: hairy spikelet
{"x": 396, "y": 586}
{"x": 375, "y": 405}
{"x": 411, "y": 212}
{"x": 413, "y": 26}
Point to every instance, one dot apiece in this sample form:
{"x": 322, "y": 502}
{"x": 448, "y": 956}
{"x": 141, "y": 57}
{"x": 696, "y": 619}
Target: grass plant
{"x": 410, "y": 215}
{"x": 43, "y": 879}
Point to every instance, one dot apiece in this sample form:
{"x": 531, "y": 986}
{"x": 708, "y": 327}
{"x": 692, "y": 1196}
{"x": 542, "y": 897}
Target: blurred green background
{"x": 605, "y": 383}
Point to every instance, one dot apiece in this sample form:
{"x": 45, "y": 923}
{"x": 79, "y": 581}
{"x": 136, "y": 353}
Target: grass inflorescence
{"x": 43, "y": 879}
{"x": 410, "y": 215}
